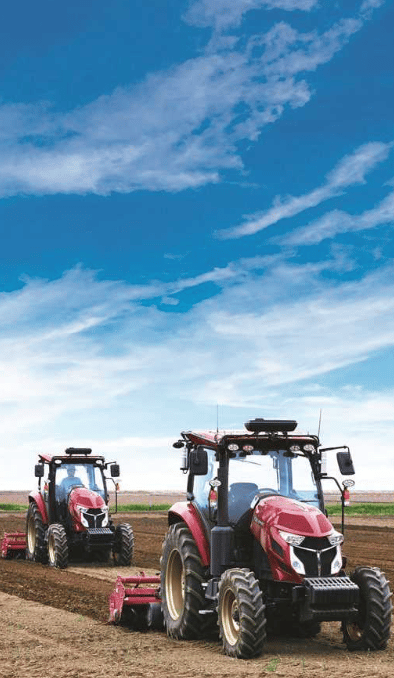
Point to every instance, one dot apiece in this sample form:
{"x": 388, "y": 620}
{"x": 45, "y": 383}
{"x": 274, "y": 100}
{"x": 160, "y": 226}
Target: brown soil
{"x": 53, "y": 622}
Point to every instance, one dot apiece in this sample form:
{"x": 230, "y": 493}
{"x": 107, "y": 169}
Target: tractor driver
{"x": 71, "y": 480}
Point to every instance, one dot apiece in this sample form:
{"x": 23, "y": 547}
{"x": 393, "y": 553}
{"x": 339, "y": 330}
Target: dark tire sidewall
{"x": 33, "y": 517}
{"x": 57, "y": 543}
{"x": 123, "y": 549}
{"x": 189, "y": 624}
{"x": 242, "y": 586}
{"x": 375, "y": 611}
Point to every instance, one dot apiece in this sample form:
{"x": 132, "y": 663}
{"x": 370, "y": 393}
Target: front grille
{"x": 94, "y": 517}
{"x": 316, "y": 554}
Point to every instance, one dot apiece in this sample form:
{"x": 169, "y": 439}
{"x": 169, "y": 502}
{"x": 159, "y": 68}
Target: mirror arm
{"x": 342, "y": 498}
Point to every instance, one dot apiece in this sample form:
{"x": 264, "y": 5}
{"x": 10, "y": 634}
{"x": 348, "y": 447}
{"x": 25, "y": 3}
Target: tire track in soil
{"x": 71, "y": 590}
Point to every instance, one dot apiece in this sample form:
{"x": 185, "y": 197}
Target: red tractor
{"x": 252, "y": 550}
{"x": 69, "y": 515}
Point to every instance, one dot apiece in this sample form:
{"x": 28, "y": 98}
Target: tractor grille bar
{"x": 94, "y": 517}
{"x": 316, "y": 554}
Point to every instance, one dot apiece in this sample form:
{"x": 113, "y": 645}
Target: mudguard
{"x": 187, "y": 513}
{"x": 37, "y": 498}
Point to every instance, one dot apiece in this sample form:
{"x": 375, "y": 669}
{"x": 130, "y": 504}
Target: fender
{"x": 37, "y": 498}
{"x": 187, "y": 513}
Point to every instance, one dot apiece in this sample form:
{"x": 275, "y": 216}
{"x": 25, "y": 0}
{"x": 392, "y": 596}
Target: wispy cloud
{"x": 223, "y": 14}
{"x": 80, "y": 353}
{"x": 337, "y": 221}
{"x": 350, "y": 171}
{"x": 179, "y": 128}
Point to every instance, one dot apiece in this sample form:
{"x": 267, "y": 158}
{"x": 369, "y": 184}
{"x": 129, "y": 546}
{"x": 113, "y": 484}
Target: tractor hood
{"x": 297, "y": 539}
{"x": 289, "y": 515}
{"x": 80, "y": 496}
{"x": 87, "y": 509}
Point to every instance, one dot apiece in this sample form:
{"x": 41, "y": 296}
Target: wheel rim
{"x": 51, "y": 549}
{"x": 175, "y": 585}
{"x": 31, "y": 534}
{"x": 230, "y": 617}
{"x": 354, "y": 631}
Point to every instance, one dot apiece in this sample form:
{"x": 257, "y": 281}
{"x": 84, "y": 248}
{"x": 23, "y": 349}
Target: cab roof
{"x": 69, "y": 459}
{"x": 221, "y": 439}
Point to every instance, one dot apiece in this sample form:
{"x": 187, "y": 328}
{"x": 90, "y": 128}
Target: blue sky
{"x": 196, "y": 208}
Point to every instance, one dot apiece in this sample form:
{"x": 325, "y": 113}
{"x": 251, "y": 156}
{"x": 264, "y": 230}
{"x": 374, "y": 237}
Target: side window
{"x": 202, "y": 487}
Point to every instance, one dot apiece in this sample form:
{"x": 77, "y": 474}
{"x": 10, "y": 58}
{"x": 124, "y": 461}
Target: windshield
{"x": 257, "y": 474}
{"x": 70, "y": 475}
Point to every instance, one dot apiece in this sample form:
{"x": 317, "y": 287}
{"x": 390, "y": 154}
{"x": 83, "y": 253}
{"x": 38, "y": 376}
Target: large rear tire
{"x": 182, "y": 576}
{"x": 124, "y": 545}
{"x": 57, "y": 546}
{"x": 35, "y": 535}
{"x": 242, "y": 623}
{"x": 371, "y": 629}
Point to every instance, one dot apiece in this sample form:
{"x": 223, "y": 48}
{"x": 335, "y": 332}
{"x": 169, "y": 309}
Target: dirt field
{"x": 53, "y": 622}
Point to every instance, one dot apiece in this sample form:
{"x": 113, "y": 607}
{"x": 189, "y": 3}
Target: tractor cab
{"x": 70, "y": 475}
{"x": 255, "y": 475}
{"x": 76, "y": 478}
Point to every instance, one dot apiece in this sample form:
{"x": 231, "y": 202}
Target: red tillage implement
{"x": 13, "y": 545}
{"x": 130, "y": 597}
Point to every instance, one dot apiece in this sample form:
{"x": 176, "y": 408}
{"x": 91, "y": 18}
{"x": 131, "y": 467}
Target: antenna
{"x": 318, "y": 430}
{"x": 217, "y": 417}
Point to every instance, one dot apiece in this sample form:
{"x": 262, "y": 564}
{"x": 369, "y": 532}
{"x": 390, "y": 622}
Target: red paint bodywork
{"x": 271, "y": 514}
{"x": 13, "y": 544}
{"x": 125, "y": 595}
{"x": 86, "y": 498}
{"x": 181, "y": 511}
{"x": 37, "y": 498}
{"x": 276, "y": 513}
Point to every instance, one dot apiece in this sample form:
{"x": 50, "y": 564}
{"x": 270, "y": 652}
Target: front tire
{"x": 124, "y": 545}
{"x": 57, "y": 546}
{"x": 35, "y": 533}
{"x": 182, "y": 576}
{"x": 242, "y": 623}
{"x": 371, "y": 629}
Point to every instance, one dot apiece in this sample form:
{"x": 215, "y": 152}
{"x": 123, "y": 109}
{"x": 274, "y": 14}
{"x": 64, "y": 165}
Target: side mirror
{"x": 115, "y": 470}
{"x": 198, "y": 461}
{"x": 178, "y": 444}
{"x": 345, "y": 463}
{"x": 39, "y": 470}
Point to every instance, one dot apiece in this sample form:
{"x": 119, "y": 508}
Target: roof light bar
{"x": 79, "y": 450}
{"x": 270, "y": 425}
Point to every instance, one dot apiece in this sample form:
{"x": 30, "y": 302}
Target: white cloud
{"x": 179, "y": 128}
{"x": 82, "y": 358}
{"x": 223, "y": 14}
{"x": 351, "y": 170}
{"x": 337, "y": 221}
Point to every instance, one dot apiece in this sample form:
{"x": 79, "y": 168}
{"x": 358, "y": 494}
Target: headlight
{"x": 335, "y": 538}
{"x": 296, "y": 563}
{"x": 105, "y": 519}
{"x": 82, "y": 510}
{"x": 293, "y": 539}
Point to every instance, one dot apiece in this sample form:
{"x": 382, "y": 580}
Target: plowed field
{"x": 53, "y": 622}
